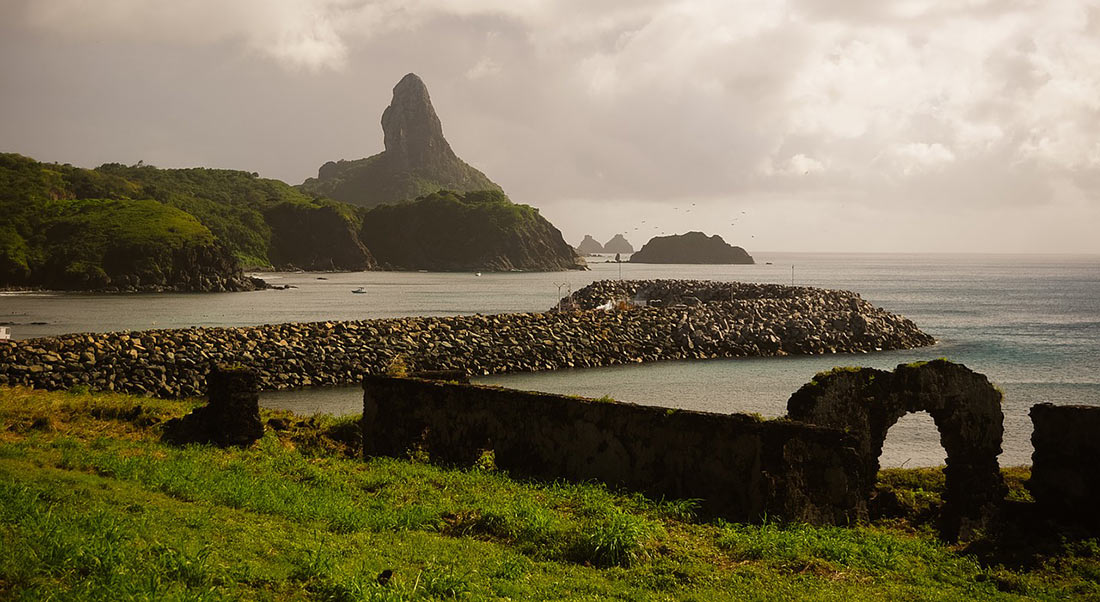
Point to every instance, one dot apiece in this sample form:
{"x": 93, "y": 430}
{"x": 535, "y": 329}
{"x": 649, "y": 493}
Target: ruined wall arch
{"x": 965, "y": 407}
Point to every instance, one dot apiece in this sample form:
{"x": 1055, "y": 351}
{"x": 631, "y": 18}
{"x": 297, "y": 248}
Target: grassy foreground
{"x": 93, "y": 506}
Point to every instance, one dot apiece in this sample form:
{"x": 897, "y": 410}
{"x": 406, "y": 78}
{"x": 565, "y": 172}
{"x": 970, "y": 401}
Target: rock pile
{"x": 173, "y": 363}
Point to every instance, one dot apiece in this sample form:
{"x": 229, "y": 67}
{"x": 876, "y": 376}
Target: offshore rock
{"x": 618, "y": 244}
{"x": 693, "y": 247}
{"x": 589, "y": 245}
{"x": 418, "y": 160}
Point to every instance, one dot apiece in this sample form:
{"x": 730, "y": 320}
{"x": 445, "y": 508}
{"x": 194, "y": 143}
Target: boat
{"x": 5, "y": 333}
{"x": 359, "y": 291}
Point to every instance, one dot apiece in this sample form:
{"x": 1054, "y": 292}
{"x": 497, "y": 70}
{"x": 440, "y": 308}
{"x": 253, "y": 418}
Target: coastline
{"x": 173, "y": 363}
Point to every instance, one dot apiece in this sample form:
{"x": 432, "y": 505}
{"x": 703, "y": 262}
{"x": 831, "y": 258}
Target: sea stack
{"x": 417, "y": 161}
{"x": 693, "y": 247}
{"x": 589, "y": 246}
{"x": 618, "y": 244}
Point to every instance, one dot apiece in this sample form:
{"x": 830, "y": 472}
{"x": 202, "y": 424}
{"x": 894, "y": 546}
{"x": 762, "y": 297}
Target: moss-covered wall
{"x": 741, "y": 468}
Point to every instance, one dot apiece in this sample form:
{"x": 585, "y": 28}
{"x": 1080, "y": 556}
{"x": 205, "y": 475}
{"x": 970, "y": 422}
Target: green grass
{"x": 93, "y": 506}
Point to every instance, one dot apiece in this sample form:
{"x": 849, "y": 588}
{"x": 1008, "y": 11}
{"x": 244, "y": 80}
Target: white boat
{"x": 5, "y": 333}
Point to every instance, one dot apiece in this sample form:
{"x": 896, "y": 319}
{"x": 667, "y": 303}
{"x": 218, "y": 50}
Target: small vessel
{"x": 359, "y": 291}
{"x": 5, "y": 333}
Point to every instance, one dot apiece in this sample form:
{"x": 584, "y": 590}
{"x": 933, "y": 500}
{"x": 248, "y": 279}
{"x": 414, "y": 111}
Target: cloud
{"x": 308, "y": 34}
{"x": 485, "y": 67}
{"x": 918, "y": 156}
{"x": 870, "y": 103}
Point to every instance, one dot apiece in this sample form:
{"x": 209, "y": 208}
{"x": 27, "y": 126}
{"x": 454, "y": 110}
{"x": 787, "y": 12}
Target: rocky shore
{"x": 698, "y": 320}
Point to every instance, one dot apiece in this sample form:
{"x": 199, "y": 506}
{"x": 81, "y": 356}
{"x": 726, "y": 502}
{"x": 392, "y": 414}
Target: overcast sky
{"x": 839, "y": 125}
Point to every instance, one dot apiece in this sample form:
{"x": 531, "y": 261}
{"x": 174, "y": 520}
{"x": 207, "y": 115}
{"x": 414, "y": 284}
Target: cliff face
{"x": 693, "y": 247}
{"x": 476, "y": 231}
{"x": 589, "y": 245}
{"x": 315, "y": 239}
{"x": 418, "y": 160}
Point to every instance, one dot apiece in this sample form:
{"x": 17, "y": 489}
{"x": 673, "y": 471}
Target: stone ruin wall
{"x": 965, "y": 406}
{"x": 1065, "y": 466}
{"x": 743, "y": 469}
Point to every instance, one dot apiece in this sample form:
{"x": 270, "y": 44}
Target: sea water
{"x": 1030, "y": 323}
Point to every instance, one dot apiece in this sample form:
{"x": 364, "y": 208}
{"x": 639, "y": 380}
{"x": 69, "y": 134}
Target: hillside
{"x": 450, "y": 231}
{"x": 127, "y": 228}
{"x": 93, "y": 506}
{"x": 71, "y": 228}
{"x": 417, "y": 159}
{"x": 266, "y": 223}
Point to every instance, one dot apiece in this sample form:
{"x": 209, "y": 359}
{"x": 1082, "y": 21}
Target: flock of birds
{"x": 686, "y": 211}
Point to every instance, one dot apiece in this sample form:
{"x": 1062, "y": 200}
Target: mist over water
{"x": 1030, "y": 323}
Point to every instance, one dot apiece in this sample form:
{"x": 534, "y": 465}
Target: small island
{"x": 693, "y": 247}
{"x": 618, "y": 244}
{"x": 589, "y": 246}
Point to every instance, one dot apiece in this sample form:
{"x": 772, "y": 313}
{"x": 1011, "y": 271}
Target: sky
{"x": 798, "y": 125}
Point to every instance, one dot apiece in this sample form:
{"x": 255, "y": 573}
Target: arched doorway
{"x": 965, "y": 407}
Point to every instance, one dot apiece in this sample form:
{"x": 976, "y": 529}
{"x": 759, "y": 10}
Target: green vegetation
{"x": 93, "y": 506}
{"x": 449, "y": 230}
{"x": 233, "y": 204}
{"x": 816, "y": 380}
{"x": 119, "y": 226}
{"x": 67, "y": 227}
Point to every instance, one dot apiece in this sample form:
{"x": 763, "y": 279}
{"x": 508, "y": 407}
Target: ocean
{"x": 1031, "y": 323}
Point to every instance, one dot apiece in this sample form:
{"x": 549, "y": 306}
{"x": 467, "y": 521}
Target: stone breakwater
{"x": 174, "y": 363}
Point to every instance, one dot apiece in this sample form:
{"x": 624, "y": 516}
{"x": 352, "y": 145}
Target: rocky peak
{"x": 413, "y": 134}
{"x": 618, "y": 244}
{"x": 589, "y": 245}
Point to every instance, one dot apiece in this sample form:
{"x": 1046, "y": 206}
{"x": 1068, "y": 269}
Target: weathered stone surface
{"x": 232, "y": 416}
{"x": 964, "y": 405}
{"x": 742, "y": 468}
{"x": 760, "y": 320}
{"x": 1065, "y": 466}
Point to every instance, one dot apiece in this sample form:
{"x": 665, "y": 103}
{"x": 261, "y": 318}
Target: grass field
{"x": 94, "y": 506}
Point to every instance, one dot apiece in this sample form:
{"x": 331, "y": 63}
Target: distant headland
{"x": 120, "y": 228}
